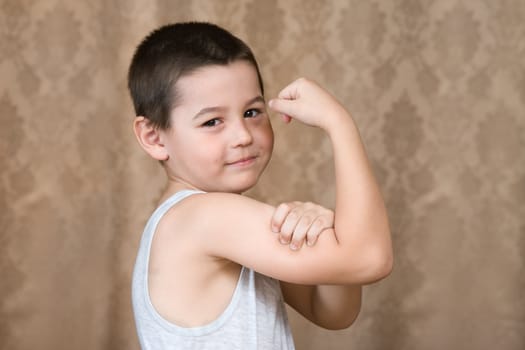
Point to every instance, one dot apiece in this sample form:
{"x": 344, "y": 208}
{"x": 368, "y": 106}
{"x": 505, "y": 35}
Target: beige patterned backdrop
{"x": 437, "y": 88}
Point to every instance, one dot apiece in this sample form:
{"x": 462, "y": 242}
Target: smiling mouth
{"x": 243, "y": 161}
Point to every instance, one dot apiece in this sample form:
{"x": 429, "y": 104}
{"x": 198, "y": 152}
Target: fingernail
{"x": 293, "y": 246}
{"x": 283, "y": 241}
{"x": 275, "y": 229}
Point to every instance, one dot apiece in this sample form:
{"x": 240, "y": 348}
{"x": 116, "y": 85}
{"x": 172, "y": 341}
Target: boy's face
{"x": 220, "y": 138}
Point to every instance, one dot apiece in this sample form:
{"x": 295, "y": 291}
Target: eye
{"x": 211, "y": 123}
{"x": 252, "y": 113}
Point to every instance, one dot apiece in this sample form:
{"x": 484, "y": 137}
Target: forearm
{"x": 335, "y": 307}
{"x": 361, "y": 249}
{"x": 361, "y": 223}
{"x": 328, "y": 306}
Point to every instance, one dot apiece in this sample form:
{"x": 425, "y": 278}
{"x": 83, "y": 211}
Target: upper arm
{"x": 238, "y": 228}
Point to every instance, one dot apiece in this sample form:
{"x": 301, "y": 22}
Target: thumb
{"x": 284, "y": 106}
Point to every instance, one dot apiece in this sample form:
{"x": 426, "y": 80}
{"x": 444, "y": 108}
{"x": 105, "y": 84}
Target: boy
{"x": 210, "y": 273}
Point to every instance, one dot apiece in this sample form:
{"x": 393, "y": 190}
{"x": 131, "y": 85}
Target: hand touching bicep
{"x": 297, "y": 223}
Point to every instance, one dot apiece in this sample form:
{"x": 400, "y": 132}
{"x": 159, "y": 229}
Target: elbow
{"x": 379, "y": 258}
{"x": 380, "y": 265}
{"x": 372, "y": 265}
{"x": 384, "y": 266}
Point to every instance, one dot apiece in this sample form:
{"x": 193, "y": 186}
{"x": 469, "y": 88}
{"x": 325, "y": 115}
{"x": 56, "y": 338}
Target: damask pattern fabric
{"x": 436, "y": 87}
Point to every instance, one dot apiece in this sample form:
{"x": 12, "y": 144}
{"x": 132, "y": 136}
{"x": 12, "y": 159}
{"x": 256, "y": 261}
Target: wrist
{"x": 339, "y": 122}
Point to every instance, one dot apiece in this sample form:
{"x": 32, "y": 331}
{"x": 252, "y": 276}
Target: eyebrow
{"x": 220, "y": 109}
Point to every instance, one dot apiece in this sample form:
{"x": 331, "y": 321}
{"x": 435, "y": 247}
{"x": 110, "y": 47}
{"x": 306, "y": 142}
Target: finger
{"x": 279, "y": 215}
{"x": 286, "y": 107}
{"x": 299, "y": 233}
{"x": 288, "y": 227}
{"x": 314, "y": 231}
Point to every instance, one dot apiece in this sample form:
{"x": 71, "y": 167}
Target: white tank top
{"x": 254, "y": 319}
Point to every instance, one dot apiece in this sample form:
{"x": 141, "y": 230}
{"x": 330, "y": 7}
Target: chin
{"x": 242, "y": 189}
{"x": 237, "y": 187}
{"x": 238, "y": 183}
{"x": 242, "y": 186}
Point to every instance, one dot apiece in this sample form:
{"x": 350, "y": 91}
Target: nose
{"x": 241, "y": 134}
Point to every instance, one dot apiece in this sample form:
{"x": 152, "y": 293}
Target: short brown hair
{"x": 175, "y": 50}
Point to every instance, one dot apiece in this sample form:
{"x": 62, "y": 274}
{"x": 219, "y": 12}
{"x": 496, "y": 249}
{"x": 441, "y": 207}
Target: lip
{"x": 243, "y": 161}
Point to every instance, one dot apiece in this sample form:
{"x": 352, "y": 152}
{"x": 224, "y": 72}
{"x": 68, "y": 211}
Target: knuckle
{"x": 320, "y": 222}
{"x": 295, "y": 212}
{"x": 292, "y": 216}
{"x": 303, "y": 80}
{"x": 284, "y": 206}
{"x": 307, "y": 219}
{"x": 311, "y": 206}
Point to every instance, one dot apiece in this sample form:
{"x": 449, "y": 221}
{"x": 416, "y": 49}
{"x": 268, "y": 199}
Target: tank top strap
{"x": 170, "y": 202}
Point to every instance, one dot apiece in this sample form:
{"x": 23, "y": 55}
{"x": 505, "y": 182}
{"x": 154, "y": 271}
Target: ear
{"x": 149, "y": 138}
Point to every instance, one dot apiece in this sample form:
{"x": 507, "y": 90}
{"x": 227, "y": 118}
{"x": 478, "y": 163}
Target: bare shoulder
{"x": 209, "y": 218}
{"x": 227, "y": 207}
{"x": 212, "y": 218}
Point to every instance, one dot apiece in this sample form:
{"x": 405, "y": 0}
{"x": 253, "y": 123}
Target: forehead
{"x": 218, "y": 84}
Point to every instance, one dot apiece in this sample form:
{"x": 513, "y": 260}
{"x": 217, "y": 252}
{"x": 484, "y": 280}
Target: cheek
{"x": 193, "y": 146}
{"x": 267, "y": 136}
{"x": 208, "y": 149}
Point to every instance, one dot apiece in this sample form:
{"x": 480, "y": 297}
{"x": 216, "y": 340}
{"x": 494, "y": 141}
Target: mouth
{"x": 243, "y": 161}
